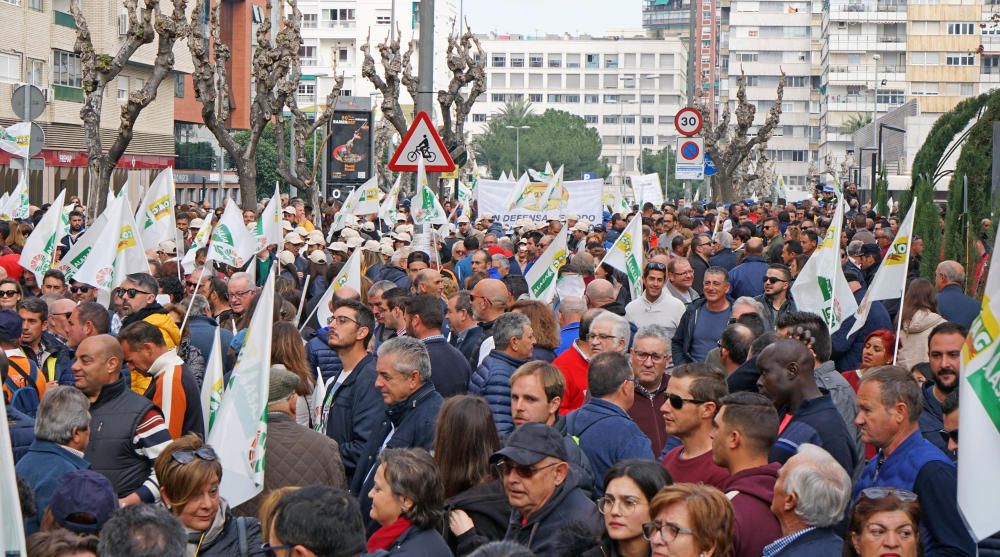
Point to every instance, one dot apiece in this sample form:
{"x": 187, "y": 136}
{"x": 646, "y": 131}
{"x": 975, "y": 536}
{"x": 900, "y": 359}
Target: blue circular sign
{"x": 689, "y": 150}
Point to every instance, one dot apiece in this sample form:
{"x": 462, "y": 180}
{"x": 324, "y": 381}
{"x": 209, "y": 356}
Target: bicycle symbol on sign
{"x": 424, "y": 150}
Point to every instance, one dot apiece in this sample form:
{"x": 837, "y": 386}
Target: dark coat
{"x": 355, "y": 410}
{"x": 201, "y": 332}
{"x": 42, "y": 467}
{"x": 227, "y": 543}
{"x": 955, "y": 306}
{"x": 579, "y": 464}
{"x": 772, "y": 315}
{"x": 323, "y": 357}
{"x": 607, "y": 435}
{"x": 683, "y": 341}
{"x": 394, "y": 274}
{"x": 747, "y": 278}
{"x": 821, "y": 542}
{"x": 492, "y": 381}
{"x": 416, "y": 542}
{"x": 22, "y": 431}
{"x": 487, "y": 506}
{"x": 744, "y": 378}
{"x": 467, "y": 341}
{"x": 726, "y": 258}
{"x": 847, "y": 350}
{"x": 545, "y": 531}
{"x": 699, "y": 266}
{"x": 450, "y": 371}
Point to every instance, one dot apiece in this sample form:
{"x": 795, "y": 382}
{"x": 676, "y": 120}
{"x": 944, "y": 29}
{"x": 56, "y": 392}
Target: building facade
{"x": 672, "y": 18}
{"x": 627, "y": 88}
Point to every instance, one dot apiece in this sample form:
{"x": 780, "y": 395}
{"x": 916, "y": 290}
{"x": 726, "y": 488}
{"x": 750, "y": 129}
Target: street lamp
{"x": 876, "y": 57}
{"x": 517, "y": 145}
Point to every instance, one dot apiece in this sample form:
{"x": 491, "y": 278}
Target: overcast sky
{"x": 593, "y": 17}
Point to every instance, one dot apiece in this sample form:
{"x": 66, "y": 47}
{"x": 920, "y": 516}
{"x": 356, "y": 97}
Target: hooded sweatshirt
{"x": 487, "y": 506}
{"x": 750, "y": 492}
{"x": 913, "y": 338}
{"x": 155, "y": 315}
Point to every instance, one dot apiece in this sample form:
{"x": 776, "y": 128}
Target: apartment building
{"x": 39, "y": 41}
{"x": 672, "y": 18}
{"x": 628, "y": 88}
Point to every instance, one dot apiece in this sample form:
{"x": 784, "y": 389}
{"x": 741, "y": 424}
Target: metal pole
{"x": 392, "y": 18}
{"x": 641, "y": 169}
{"x": 425, "y": 94}
{"x": 517, "y": 149}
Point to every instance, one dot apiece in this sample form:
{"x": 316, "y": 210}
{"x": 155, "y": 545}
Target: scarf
{"x": 384, "y": 536}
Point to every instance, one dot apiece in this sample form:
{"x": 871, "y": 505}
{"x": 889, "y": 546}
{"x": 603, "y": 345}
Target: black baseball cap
{"x": 531, "y": 443}
{"x": 871, "y": 249}
{"x": 83, "y": 501}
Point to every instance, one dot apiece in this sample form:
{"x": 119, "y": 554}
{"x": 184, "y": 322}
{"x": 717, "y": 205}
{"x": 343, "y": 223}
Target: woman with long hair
{"x": 544, "y": 325}
{"x": 629, "y": 487}
{"x": 464, "y": 439}
{"x": 919, "y": 315}
{"x": 288, "y": 351}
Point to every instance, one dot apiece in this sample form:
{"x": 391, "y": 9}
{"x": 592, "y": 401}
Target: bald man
{"x": 127, "y": 432}
{"x": 747, "y": 278}
{"x": 59, "y": 312}
{"x": 489, "y": 301}
{"x": 808, "y": 415}
{"x": 430, "y": 282}
{"x": 599, "y": 293}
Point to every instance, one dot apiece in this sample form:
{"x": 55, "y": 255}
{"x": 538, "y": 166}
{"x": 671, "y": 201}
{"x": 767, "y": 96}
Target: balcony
{"x": 338, "y": 23}
{"x": 862, "y": 43}
{"x": 861, "y": 11}
{"x": 859, "y": 75}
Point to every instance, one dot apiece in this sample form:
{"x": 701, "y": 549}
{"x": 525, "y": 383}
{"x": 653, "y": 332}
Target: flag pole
{"x": 902, "y": 297}
{"x": 208, "y": 266}
{"x": 302, "y": 298}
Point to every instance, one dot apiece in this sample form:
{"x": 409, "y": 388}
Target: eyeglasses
{"x": 526, "y": 472}
{"x": 190, "y": 284}
{"x": 203, "y": 452}
{"x": 678, "y": 401}
{"x": 684, "y": 273}
{"x": 79, "y": 289}
{"x": 342, "y": 320}
{"x": 595, "y": 337}
{"x": 643, "y": 356}
{"x": 271, "y": 550}
{"x": 129, "y": 292}
{"x": 8, "y": 293}
{"x": 65, "y": 314}
{"x": 240, "y": 294}
{"x": 773, "y": 280}
{"x": 627, "y": 506}
{"x": 880, "y": 492}
{"x": 949, "y": 435}
{"x": 668, "y": 532}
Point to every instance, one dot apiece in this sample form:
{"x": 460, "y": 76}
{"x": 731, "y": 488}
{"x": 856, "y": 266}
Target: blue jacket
{"x": 416, "y": 542}
{"x": 747, "y": 278}
{"x": 450, "y": 370}
{"x": 355, "y": 410}
{"x": 395, "y": 274}
{"x": 955, "y": 306}
{"x": 932, "y": 419}
{"x": 467, "y": 341}
{"x": 201, "y": 331}
{"x": 42, "y": 467}
{"x": 681, "y": 344}
{"x": 918, "y": 466}
{"x": 607, "y": 435}
{"x": 726, "y": 258}
{"x": 818, "y": 542}
{"x": 817, "y": 421}
{"x": 463, "y": 268}
{"x": 22, "y": 431}
{"x": 567, "y": 335}
{"x": 492, "y": 382}
{"x": 322, "y": 357}
{"x": 847, "y": 350}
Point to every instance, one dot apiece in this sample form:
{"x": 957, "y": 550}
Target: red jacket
{"x": 573, "y": 366}
{"x": 751, "y": 492}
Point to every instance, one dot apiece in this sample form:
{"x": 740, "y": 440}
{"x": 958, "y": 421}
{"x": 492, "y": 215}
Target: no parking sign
{"x": 690, "y": 162}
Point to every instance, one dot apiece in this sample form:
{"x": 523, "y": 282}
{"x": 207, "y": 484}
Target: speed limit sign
{"x": 687, "y": 121}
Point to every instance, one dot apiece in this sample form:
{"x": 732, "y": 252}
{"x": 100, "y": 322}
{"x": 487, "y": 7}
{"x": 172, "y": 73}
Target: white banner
{"x": 584, "y": 199}
{"x": 646, "y": 188}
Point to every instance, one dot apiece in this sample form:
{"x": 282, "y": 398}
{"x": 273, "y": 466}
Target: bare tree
{"x": 145, "y": 24}
{"x": 730, "y": 143}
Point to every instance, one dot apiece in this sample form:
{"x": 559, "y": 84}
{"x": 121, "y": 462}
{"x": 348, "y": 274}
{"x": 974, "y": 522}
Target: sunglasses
{"x": 526, "y": 472}
{"x": 773, "y": 280}
{"x": 656, "y": 266}
{"x": 880, "y": 492}
{"x": 8, "y": 293}
{"x": 677, "y": 401}
{"x": 185, "y": 457}
{"x": 79, "y": 289}
{"x": 949, "y": 435}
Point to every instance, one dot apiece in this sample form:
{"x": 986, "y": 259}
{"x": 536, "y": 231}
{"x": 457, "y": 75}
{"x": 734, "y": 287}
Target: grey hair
{"x": 508, "y": 326}
{"x": 506, "y": 244}
{"x": 411, "y": 354}
{"x": 854, "y": 248}
{"x": 724, "y": 238}
{"x": 141, "y": 531}
{"x": 659, "y": 332}
{"x": 145, "y": 281}
{"x": 822, "y": 485}
{"x": 951, "y": 270}
{"x": 619, "y": 326}
{"x": 499, "y": 258}
{"x": 381, "y": 286}
{"x": 749, "y": 301}
{"x": 572, "y": 305}
{"x": 62, "y": 409}
{"x": 243, "y": 276}
{"x": 199, "y": 306}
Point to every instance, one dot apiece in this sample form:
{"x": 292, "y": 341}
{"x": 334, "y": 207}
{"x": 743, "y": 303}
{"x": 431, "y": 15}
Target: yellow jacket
{"x": 171, "y": 336}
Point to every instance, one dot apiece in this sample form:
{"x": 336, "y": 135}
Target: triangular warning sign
{"x": 421, "y": 141}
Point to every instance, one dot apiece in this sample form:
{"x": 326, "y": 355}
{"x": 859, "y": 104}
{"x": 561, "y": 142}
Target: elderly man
{"x": 570, "y": 311}
{"x": 747, "y": 278}
{"x": 649, "y": 359}
{"x": 953, "y": 304}
{"x": 605, "y": 431}
{"x": 201, "y": 330}
{"x": 693, "y": 396}
{"x": 127, "y": 431}
{"x": 545, "y": 499}
{"x": 703, "y": 320}
{"x": 59, "y": 312}
{"x": 807, "y": 528}
{"x": 62, "y": 431}
{"x": 241, "y": 293}
{"x": 680, "y": 275}
{"x": 514, "y": 340}
{"x": 428, "y": 282}
{"x": 725, "y": 257}
{"x": 573, "y": 364}
{"x": 465, "y": 333}
{"x": 655, "y": 306}
{"x": 403, "y": 379}
{"x": 889, "y": 408}
{"x": 424, "y": 318}
{"x": 173, "y": 388}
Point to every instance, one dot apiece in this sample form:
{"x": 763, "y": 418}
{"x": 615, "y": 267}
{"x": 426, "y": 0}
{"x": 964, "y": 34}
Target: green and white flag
{"x": 155, "y": 215}
{"x": 388, "y": 211}
{"x": 201, "y": 240}
{"x": 231, "y": 242}
{"x": 520, "y": 195}
{"x": 542, "y": 276}
{"x": 106, "y": 268}
{"x": 425, "y": 206}
{"x": 269, "y": 225}
{"x": 239, "y": 433}
{"x": 12, "y": 525}
{"x": 349, "y": 275}
{"x": 80, "y": 250}
{"x": 464, "y": 195}
{"x": 821, "y": 287}
{"x": 16, "y": 139}
{"x": 979, "y": 420}
{"x": 212, "y": 385}
{"x": 362, "y": 201}
{"x": 626, "y": 255}
{"x": 40, "y": 246}
{"x": 17, "y": 205}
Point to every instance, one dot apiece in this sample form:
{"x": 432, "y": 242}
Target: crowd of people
{"x": 443, "y": 410}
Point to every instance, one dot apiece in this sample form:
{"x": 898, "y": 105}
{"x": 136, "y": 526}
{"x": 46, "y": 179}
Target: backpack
{"x": 23, "y": 397}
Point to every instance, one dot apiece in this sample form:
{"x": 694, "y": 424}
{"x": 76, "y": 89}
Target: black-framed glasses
{"x": 526, "y": 472}
{"x": 949, "y": 435}
{"x": 342, "y": 320}
{"x": 271, "y": 550}
{"x": 626, "y": 505}
{"x": 773, "y": 280}
{"x": 653, "y": 356}
{"x": 82, "y": 289}
{"x": 880, "y": 492}
{"x": 8, "y": 293}
{"x": 677, "y": 401}
{"x": 204, "y": 452}
{"x": 667, "y": 530}
{"x": 240, "y": 294}
{"x": 129, "y": 292}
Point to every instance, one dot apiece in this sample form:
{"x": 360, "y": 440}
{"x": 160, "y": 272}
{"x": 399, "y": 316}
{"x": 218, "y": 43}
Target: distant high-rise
{"x": 671, "y": 18}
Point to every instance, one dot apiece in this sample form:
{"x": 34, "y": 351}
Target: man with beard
{"x": 945, "y": 356}
{"x": 76, "y": 230}
{"x": 776, "y": 299}
{"x": 137, "y": 301}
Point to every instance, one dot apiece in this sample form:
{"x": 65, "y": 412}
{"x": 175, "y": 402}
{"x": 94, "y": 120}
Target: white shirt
{"x": 665, "y": 311}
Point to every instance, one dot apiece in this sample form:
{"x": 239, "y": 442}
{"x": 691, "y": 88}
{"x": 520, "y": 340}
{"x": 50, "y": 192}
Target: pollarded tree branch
{"x": 389, "y": 86}
{"x": 465, "y": 70}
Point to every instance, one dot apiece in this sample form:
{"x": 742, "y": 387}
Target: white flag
{"x": 555, "y": 197}
{"x": 362, "y": 201}
{"x": 519, "y": 196}
{"x": 17, "y": 205}
{"x": 201, "y": 240}
{"x": 231, "y": 242}
{"x": 212, "y": 386}
{"x": 891, "y": 275}
{"x": 80, "y": 250}
{"x": 155, "y": 215}
{"x": 40, "y": 246}
{"x": 239, "y": 434}
{"x": 626, "y": 255}
{"x": 503, "y": 177}
{"x": 543, "y": 274}
{"x": 646, "y": 188}
{"x": 424, "y": 206}
{"x": 349, "y": 275}
{"x": 270, "y": 222}
{"x": 979, "y": 420}
{"x": 12, "y": 525}
{"x": 16, "y": 139}
{"x": 821, "y": 287}
{"x": 107, "y": 268}
{"x": 388, "y": 211}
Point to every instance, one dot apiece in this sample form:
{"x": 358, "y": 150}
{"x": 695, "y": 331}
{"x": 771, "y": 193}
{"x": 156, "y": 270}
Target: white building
{"x": 626, "y": 87}
{"x": 765, "y": 38}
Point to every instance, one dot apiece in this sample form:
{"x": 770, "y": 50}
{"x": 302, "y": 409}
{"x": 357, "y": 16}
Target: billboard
{"x": 349, "y": 150}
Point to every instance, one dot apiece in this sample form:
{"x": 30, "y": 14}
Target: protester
{"x": 693, "y": 396}
{"x": 630, "y": 486}
{"x": 655, "y": 306}
{"x": 514, "y": 340}
{"x": 703, "y": 320}
{"x": 919, "y": 314}
{"x": 690, "y": 520}
{"x": 880, "y": 346}
{"x": 573, "y": 364}
{"x": 142, "y": 530}
{"x": 884, "y": 521}
{"x": 424, "y": 319}
{"x": 317, "y": 520}
{"x": 408, "y": 502}
{"x": 649, "y": 359}
{"x": 137, "y": 296}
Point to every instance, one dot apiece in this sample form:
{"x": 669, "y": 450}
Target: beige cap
{"x": 403, "y": 237}
{"x": 293, "y": 238}
{"x": 572, "y": 217}
{"x": 372, "y": 245}
{"x": 301, "y": 231}
{"x": 354, "y": 242}
{"x": 315, "y": 238}
{"x": 387, "y": 250}
{"x": 368, "y": 226}
{"x": 487, "y": 216}
{"x": 349, "y": 233}
{"x": 407, "y": 228}
{"x": 196, "y": 223}
{"x": 168, "y": 247}
{"x": 401, "y": 217}
{"x": 581, "y": 226}
{"x": 338, "y": 247}
{"x": 286, "y": 226}
{"x": 318, "y": 257}
{"x": 286, "y": 257}
{"x": 288, "y": 210}
{"x": 463, "y": 219}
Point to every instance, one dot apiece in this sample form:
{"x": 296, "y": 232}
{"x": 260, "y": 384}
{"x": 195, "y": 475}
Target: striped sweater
{"x": 174, "y": 390}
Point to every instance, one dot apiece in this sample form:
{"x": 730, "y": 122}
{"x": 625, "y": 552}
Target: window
{"x": 961, "y": 29}
{"x": 535, "y": 60}
{"x": 555, "y": 81}
{"x": 593, "y": 60}
{"x": 648, "y": 120}
{"x": 122, "y": 88}
{"x": 555, "y": 60}
{"x": 10, "y": 67}
{"x": 924, "y": 27}
{"x": 960, "y": 59}
{"x": 535, "y": 97}
{"x": 342, "y": 54}
{"x": 572, "y": 81}
{"x": 383, "y": 17}
{"x": 753, "y": 81}
{"x": 611, "y": 61}
{"x": 572, "y": 98}
{"x": 517, "y": 60}
{"x": 890, "y": 96}
{"x": 590, "y": 118}
{"x": 747, "y": 56}
{"x": 924, "y": 88}
{"x": 535, "y": 80}
{"x": 628, "y": 140}
{"x": 800, "y": 156}
{"x": 628, "y": 119}
{"x": 610, "y": 81}
{"x": 591, "y": 81}
{"x": 554, "y": 98}
{"x": 610, "y": 99}
{"x": 178, "y": 85}
{"x": 137, "y": 83}
{"x": 572, "y": 60}
{"x": 797, "y": 81}
{"x": 65, "y": 69}
{"x": 478, "y": 117}
{"x": 309, "y": 21}
{"x": 307, "y": 55}
{"x": 591, "y": 99}
{"x": 924, "y": 58}
{"x": 14, "y": 2}
{"x": 966, "y": 89}
{"x": 516, "y": 80}
{"x": 610, "y": 119}
{"x": 36, "y": 5}
{"x": 498, "y": 97}
{"x": 499, "y": 60}
{"x": 647, "y": 99}
{"x": 647, "y": 140}
{"x": 35, "y": 73}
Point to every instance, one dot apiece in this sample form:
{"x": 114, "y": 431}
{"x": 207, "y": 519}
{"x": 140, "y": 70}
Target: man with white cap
{"x": 578, "y": 236}
{"x": 294, "y": 243}
{"x": 166, "y": 251}
{"x": 464, "y": 227}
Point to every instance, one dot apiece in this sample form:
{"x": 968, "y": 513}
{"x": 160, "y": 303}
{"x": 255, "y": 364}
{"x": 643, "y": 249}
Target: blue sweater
{"x": 607, "y": 435}
{"x": 816, "y": 421}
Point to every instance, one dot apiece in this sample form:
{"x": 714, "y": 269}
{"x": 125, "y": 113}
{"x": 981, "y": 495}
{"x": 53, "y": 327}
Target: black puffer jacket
{"x": 568, "y": 518}
{"x": 222, "y": 539}
{"x": 487, "y": 506}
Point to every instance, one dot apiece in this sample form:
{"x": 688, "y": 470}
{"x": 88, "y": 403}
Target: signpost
{"x": 28, "y": 103}
{"x": 690, "y": 162}
{"x": 421, "y": 141}
{"x": 688, "y": 121}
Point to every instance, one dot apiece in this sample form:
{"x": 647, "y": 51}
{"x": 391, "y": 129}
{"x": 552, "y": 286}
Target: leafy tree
{"x": 855, "y": 122}
{"x": 555, "y": 136}
{"x": 514, "y": 112}
{"x": 662, "y": 162}
{"x": 267, "y": 157}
